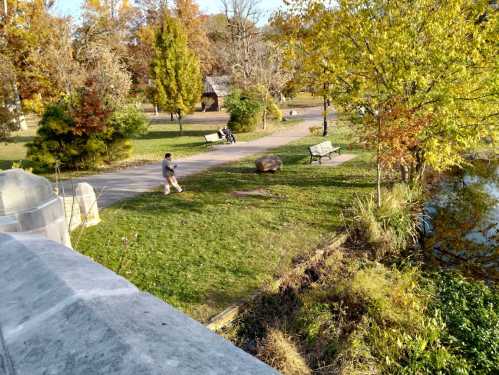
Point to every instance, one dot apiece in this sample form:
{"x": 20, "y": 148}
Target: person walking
{"x": 169, "y": 174}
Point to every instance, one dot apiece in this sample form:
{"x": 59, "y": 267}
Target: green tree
{"x": 418, "y": 77}
{"x": 175, "y": 70}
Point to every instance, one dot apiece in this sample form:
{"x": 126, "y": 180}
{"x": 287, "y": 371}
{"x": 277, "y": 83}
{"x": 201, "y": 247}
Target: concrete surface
{"x": 63, "y": 314}
{"x": 112, "y": 187}
{"x": 28, "y": 204}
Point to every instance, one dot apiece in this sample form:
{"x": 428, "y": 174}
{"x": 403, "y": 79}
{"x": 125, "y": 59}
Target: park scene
{"x": 264, "y": 187}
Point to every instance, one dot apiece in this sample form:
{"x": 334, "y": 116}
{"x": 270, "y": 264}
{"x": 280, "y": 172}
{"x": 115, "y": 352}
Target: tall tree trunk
{"x": 171, "y": 117}
{"x": 180, "y": 124}
{"x": 325, "y": 131}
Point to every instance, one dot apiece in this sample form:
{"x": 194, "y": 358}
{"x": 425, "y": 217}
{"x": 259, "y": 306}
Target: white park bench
{"x": 213, "y": 138}
{"x": 317, "y": 152}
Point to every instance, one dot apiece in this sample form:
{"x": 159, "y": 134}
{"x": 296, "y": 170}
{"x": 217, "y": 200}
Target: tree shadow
{"x": 189, "y": 121}
{"x": 174, "y": 134}
{"x": 7, "y": 164}
{"x": 20, "y": 139}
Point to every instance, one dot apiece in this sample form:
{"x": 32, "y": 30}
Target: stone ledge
{"x": 62, "y": 313}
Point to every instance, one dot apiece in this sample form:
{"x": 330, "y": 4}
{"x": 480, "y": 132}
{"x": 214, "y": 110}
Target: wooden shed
{"x": 216, "y": 88}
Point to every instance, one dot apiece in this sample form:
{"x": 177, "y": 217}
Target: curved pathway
{"x": 112, "y": 187}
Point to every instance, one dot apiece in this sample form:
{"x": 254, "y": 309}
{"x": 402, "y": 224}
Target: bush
{"x": 274, "y": 110}
{"x": 470, "y": 311}
{"x": 373, "y": 319}
{"x": 392, "y": 227}
{"x": 244, "y": 109}
{"x": 60, "y": 142}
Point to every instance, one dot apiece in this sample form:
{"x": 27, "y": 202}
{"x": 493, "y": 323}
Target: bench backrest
{"x": 212, "y": 137}
{"x": 322, "y": 148}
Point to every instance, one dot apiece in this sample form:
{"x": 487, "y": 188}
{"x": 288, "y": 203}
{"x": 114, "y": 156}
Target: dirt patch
{"x": 259, "y": 193}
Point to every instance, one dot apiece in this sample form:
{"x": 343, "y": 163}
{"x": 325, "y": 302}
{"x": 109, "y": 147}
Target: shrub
{"x": 373, "y": 319}
{"x": 316, "y": 130}
{"x": 244, "y": 109}
{"x": 279, "y": 351}
{"x": 392, "y": 227}
{"x": 61, "y": 141}
{"x": 274, "y": 110}
{"x": 470, "y": 311}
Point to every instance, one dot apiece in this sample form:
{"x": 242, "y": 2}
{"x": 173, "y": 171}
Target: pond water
{"x": 462, "y": 220}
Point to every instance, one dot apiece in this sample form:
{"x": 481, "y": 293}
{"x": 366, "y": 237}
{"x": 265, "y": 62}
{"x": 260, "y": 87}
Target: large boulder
{"x": 270, "y": 163}
{"x": 28, "y": 204}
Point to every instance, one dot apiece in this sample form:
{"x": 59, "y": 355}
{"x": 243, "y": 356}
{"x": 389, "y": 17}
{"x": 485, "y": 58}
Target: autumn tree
{"x": 306, "y": 55}
{"x": 217, "y": 30}
{"x": 241, "y": 39}
{"x": 7, "y": 111}
{"x": 268, "y": 76}
{"x": 419, "y": 77}
{"x": 175, "y": 70}
{"x": 107, "y": 22}
{"x": 29, "y": 36}
{"x": 194, "y": 25}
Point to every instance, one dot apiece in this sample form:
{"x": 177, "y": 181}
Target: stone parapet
{"x": 62, "y": 313}
{"x": 29, "y": 205}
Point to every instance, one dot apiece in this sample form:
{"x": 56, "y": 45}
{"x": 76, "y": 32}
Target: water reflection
{"x": 463, "y": 229}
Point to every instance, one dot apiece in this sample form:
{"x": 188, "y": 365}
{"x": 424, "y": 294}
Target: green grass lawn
{"x": 15, "y": 151}
{"x": 163, "y": 136}
{"x": 302, "y": 100}
{"x": 206, "y": 248}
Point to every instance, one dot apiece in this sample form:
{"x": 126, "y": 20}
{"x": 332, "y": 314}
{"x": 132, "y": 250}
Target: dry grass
{"x": 278, "y": 350}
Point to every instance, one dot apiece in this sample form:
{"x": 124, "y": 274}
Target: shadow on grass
{"x": 189, "y": 121}
{"x": 174, "y": 134}
{"x": 20, "y": 139}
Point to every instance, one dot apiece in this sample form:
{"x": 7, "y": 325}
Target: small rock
{"x": 268, "y": 164}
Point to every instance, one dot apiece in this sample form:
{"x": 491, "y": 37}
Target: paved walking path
{"x": 112, "y": 187}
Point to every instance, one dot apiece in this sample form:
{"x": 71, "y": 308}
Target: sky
{"x": 71, "y": 7}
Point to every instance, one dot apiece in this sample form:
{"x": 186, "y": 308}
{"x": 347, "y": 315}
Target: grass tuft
{"x": 391, "y": 228}
{"x": 278, "y": 350}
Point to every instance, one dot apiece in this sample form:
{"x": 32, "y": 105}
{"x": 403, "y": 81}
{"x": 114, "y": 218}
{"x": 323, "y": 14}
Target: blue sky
{"x": 71, "y": 7}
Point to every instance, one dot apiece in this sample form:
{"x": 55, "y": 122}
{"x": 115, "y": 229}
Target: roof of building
{"x": 219, "y": 85}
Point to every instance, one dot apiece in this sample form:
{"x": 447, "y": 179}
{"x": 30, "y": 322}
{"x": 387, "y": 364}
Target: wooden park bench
{"x": 213, "y": 138}
{"x": 317, "y": 152}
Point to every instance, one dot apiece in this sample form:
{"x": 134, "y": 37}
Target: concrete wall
{"x": 61, "y": 313}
